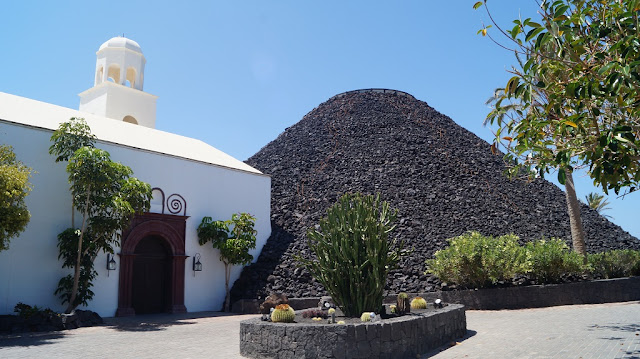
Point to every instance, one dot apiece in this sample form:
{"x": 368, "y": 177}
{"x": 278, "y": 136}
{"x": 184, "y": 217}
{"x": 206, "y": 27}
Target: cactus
{"x": 365, "y": 317}
{"x": 418, "y": 303}
{"x": 393, "y": 308}
{"x": 355, "y": 230}
{"x": 340, "y": 321}
{"x": 283, "y": 314}
{"x": 332, "y": 313}
{"x": 402, "y": 304}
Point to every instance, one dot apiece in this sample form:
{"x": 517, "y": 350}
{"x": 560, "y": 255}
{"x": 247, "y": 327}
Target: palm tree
{"x": 599, "y": 203}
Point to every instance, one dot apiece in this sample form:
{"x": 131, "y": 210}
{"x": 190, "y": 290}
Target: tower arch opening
{"x": 114, "y": 73}
{"x": 130, "y": 119}
{"x": 131, "y": 77}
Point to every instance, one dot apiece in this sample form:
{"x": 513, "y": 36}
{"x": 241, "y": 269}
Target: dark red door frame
{"x": 171, "y": 228}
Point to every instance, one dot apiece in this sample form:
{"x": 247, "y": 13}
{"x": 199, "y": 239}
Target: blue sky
{"x": 237, "y": 73}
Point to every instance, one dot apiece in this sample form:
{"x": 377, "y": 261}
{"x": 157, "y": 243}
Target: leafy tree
{"x": 576, "y": 95}
{"x": 108, "y": 197}
{"x": 67, "y": 139}
{"x": 598, "y": 202}
{"x": 234, "y": 238}
{"x": 14, "y": 187}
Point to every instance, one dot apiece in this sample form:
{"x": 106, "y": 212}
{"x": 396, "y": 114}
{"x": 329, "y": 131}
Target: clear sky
{"x": 237, "y": 73}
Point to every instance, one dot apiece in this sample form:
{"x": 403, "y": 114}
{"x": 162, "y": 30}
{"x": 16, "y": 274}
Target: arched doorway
{"x": 158, "y": 239}
{"x": 151, "y": 276}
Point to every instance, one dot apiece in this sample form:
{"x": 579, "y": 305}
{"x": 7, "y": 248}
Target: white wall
{"x": 29, "y": 270}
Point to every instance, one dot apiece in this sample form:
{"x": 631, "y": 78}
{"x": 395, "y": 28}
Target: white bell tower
{"x": 117, "y": 90}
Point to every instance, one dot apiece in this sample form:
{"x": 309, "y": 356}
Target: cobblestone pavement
{"x": 579, "y": 331}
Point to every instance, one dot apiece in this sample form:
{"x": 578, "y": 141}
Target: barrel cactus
{"x": 365, "y": 317}
{"x": 418, "y": 303}
{"x": 283, "y": 314}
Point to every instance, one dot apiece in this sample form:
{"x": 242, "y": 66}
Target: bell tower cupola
{"x": 117, "y": 90}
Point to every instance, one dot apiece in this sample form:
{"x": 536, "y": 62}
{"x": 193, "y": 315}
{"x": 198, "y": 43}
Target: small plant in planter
{"x": 418, "y": 303}
{"x": 365, "y": 317}
{"x": 283, "y": 314}
{"x": 402, "y": 304}
{"x": 311, "y": 313}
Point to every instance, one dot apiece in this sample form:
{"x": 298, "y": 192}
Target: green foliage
{"x": 473, "y": 260}
{"x": 70, "y": 137}
{"x": 549, "y": 260}
{"x": 14, "y": 187}
{"x": 353, "y": 252}
{"x": 478, "y": 261}
{"x": 68, "y": 252}
{"x": 283, "y": 313}
{"x": 576, "y": 92}
{"x": 598, "y": 203}
{"x": 108, "y": 198}
{"x": 418, "y": 303}
{"x": 26, "y": 311}
{"x": 615, "y": 264}
{"x": 233, "y": 238}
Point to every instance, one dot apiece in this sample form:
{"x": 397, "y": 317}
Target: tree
{"x": 14, "y": 187}
{"x": 598, "y": 202}
{"x": 67, "y": 139}
{"x": 108, "y": 197}
{"x": 233, "y": 238}
{"x": 576, "y": 97}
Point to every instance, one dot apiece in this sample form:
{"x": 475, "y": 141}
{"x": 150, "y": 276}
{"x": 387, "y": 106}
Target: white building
{"x": 154, "y": 265}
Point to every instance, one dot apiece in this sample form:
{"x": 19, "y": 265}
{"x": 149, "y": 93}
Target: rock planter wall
{"x": 539, "y": 296}
{"x": 534, "y": 296}
{"x": 402, "y": 337}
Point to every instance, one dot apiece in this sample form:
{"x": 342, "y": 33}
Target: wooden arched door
{"x": 151, "y": 276}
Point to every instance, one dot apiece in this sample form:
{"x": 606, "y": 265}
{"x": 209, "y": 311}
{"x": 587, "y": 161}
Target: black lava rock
{"x": 443, "y": 179}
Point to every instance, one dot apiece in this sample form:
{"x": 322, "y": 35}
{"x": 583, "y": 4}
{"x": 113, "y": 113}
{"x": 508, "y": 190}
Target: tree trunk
{"x": 573, "y": 206}
{"x": 76, "y": 275}
{"x": 227, "y": 274}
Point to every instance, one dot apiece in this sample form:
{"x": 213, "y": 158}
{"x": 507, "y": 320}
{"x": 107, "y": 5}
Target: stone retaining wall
{"x": 535, "y": 296}
{"x": 402, "y": 337}
{"x": 540, "y": 296}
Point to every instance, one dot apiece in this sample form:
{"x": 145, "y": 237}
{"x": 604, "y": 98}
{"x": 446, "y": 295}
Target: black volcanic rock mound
{"x": 442, "y": 178}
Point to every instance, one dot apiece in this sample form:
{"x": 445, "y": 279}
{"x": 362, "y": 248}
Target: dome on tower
{"x": 121, "y": 42}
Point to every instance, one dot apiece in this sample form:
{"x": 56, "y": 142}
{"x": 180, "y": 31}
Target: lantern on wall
{"x": 111, "y": 263}
{"x": 197, "y": 266}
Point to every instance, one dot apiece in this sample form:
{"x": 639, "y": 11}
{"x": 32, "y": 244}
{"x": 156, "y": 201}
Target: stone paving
{"x": 579, "y": 331}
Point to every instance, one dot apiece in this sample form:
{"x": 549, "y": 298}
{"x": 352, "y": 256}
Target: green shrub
{"x": 615, "y": 264}
{"x": 474, "y": 260}
{"x": 353, "y": 253}
{"x": 550, "y": 259}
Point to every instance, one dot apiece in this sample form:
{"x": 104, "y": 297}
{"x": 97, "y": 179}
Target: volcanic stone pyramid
{"x": 442, "y": 178}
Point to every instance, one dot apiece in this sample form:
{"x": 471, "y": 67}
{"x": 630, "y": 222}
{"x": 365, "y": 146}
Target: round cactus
{"x": 283, "y": 314}
{"x": 331, "y": 311}
{"x": 393, "y": 308}
{"x": 418, "y": 303}
{"x": 365, "y": 317}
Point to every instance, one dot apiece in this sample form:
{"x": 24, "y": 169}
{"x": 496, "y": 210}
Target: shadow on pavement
{"x": 30, "y": 339}
{"x": 470, "y": 333}
{"x": 157, "y": 322}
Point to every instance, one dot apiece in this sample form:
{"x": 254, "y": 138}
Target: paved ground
{"x": 579, "y": 331}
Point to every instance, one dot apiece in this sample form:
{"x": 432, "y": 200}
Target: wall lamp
{"x": 111, "y": 263}
{"x": 197, "y": 266}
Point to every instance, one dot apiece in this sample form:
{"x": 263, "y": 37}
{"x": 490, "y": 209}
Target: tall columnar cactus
{"x": 402, "y": 304}
{"x": 353, "y": 252}
{"x": 283, "y": 314}
{"x": 418, "y": 303}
